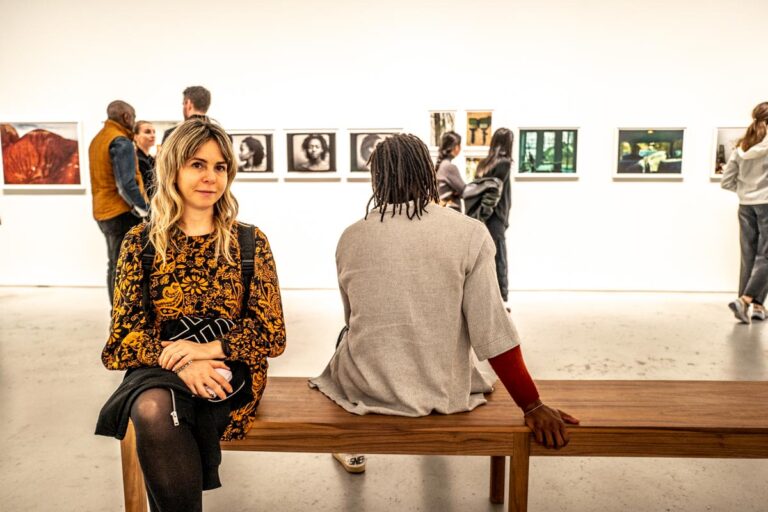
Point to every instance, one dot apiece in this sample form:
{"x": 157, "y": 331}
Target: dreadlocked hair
{"x": 401, "y": 173}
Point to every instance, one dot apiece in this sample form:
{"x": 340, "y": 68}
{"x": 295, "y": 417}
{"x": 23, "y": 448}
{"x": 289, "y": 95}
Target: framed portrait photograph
{"x": 253, "y": 150}
{"x": 311, "y": 152}
{"x": 39, "y": 155}
{"x": 725, "y": 142}
{"x": 479, "y": 128}
{"x": 440, "y": 121}
{"x": 361, "y": 145}
{"x": 650, "y": 153}
{"x": 547, "y": 152}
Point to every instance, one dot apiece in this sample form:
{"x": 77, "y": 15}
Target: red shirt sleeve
{"x": 511, "y": 369}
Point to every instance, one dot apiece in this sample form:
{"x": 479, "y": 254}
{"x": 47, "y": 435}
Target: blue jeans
{"x": 114, "y": 230}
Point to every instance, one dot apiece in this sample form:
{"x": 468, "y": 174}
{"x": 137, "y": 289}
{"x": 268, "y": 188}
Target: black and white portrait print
{"x": 253, "y": 151}
{"x": 362, "y": 145}
{"x": 311, "y": 152}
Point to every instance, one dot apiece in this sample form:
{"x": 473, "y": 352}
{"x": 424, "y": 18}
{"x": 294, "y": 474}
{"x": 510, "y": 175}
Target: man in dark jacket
{"x": 197, "y": 100}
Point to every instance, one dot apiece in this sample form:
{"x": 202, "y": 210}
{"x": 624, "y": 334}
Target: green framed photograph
{"x": 550, "y": 151}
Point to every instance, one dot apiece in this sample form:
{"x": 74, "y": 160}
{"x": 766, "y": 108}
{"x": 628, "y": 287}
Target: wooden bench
{"x": 618, "y": 419}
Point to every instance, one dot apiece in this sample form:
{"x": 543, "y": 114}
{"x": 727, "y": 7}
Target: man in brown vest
{"x": 119, "y": 200}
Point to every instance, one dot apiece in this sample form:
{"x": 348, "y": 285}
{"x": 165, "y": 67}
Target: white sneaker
{"x": 758, "y": 313}
{"x": 351, "y": 462}
{"x": 740, "y": 311}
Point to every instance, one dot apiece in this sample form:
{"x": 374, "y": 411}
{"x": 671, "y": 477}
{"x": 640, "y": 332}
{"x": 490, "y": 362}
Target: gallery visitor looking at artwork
{"x": 497, "y": 165}
{"x": 450, "y": 185}
{"x": 746, "y": 173}
{"x": 386, "y": 363}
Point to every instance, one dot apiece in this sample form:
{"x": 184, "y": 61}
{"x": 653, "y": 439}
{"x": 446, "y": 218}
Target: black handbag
{"x": 205, "y": 330}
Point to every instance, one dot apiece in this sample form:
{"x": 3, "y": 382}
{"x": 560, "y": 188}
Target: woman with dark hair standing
{"x": 497, "y": 165}
{"x": 746, "y": 173}
{"x": 144, "y": 139}
{"x": 450, "y": 186}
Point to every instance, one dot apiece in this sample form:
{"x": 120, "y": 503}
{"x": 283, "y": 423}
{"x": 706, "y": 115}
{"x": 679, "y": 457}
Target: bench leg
{"x": 133, "y": 480}
{"x": 518, "y": 473}
{"x": 498, "y": 470}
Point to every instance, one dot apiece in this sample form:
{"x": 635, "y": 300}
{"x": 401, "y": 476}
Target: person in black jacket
{"x": 197, "y": 101}
{"x": 144, "y": 139}
{"x": 497, "y": 165}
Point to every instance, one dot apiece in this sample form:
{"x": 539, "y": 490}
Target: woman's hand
{"x": 199, "y": 374}
{"x": 548, "y": 425}
{"x": 178, "y": 353}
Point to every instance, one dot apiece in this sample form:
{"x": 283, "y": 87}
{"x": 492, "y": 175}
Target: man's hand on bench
{"x": 548, "y": 425}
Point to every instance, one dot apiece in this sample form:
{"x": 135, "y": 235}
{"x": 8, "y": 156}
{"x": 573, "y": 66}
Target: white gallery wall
{"x": 595, "y": 65}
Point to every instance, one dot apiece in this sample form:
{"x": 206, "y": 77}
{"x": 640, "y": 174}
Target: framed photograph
{"x": 725, "y": 142}
{"x": 547, "y": 152}
{"x": 41, "y": 155}
{"x": 479, "y": 128}
{"x": 361, "y": 145}
{"x": 311, "y": 152}
{"x": 470, "y": 167}
{"x": 253, "y": 150}
{"x": 650, "y": 153}
{"x": 440, "y": 121}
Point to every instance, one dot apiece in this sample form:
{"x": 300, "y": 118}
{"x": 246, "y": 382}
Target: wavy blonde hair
{"x": 167, "y": 205}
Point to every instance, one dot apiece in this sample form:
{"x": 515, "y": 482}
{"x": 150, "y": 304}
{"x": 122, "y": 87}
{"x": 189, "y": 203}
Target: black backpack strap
{"x": 247, "y": 241}
{"x": 147, "y": 262}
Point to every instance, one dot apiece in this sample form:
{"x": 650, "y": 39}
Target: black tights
{"x": 169, "y": 456}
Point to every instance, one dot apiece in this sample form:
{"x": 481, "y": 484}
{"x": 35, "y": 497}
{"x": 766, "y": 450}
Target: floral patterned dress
{"x": 193, "y": 282}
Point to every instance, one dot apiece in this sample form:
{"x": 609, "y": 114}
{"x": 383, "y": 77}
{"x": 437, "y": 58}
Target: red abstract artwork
{"x": 40, "y": 154}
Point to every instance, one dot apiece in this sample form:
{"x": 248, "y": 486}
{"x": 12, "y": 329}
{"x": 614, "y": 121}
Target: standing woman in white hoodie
{"x": 746, "y": 173}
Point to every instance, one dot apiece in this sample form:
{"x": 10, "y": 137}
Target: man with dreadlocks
{"x": 418, "y": 283}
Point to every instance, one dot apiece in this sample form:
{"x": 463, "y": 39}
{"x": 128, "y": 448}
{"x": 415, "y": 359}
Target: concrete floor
{"x": 54, "y": 385}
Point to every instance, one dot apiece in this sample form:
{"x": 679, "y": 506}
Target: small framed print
{"x": 650, "y": 153}
{"x": 253, "y": 150}
{"x": 726, "y": 140}
{"x": 41, "y": 155}
{"x": 479, "y": 128}
{"x": 547, "y": 153}
{"x": 361, "y": 146}
{"x": 470, "y": 167}
{"x": 440, "y": 122}
{"x": 311, "y": 152}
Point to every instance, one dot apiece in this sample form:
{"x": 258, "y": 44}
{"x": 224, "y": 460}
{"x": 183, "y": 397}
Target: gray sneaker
{"x": 758, "y": 313}
{"x": 740, "y": 311}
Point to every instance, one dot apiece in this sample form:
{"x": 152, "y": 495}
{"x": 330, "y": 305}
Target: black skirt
{"x": 206, "y": 420}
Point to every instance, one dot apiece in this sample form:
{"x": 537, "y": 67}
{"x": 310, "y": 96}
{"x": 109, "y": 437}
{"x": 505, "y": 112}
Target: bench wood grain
{"x": 618, "y": 418}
